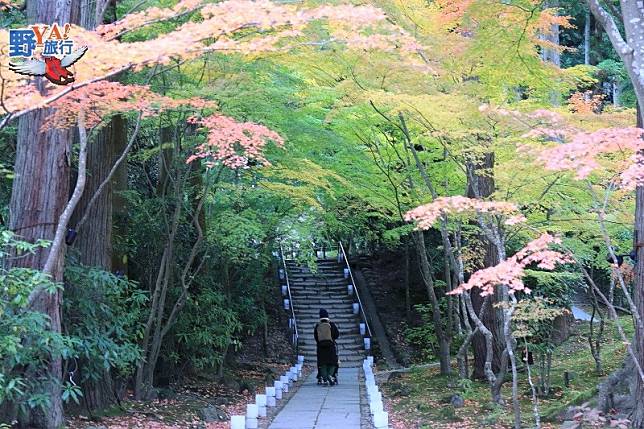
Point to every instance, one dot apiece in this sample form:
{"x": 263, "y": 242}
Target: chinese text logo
{"x": 57, "y": 52}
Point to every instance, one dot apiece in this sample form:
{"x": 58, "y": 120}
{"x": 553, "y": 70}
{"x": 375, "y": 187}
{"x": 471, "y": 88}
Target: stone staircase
{"x": 327, "y": 288}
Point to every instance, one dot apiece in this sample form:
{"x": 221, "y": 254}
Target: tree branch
{"x": 115, "y": 167}
{"x": 624, "y": 50}
{"x": 61, "y": 229}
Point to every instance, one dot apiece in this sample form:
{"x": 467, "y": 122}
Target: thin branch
{"x": 61, "y": 229}
{"x": 107, "y": 179}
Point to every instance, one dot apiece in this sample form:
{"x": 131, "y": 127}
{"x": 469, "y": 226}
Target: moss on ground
{"x": 421, "y": 398}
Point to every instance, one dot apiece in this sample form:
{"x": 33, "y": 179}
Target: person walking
{"x": 325, "y": 333}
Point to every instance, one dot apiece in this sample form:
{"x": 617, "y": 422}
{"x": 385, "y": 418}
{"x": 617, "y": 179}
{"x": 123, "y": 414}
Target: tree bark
{"x": 631, "y": 51}
{"x": 93, "y": 246}
{"x": 94, "y": 241}
{"x": 587, "y": 38}
{"x": 638, "y": 294}
{"x": 481, "y": 171}
{"x": 38, "y": 198}
{"x": 425, "y": 270}
{"x": 547, "y": 54}
{"x": 119, "y": 184}
{"x": 408, "y": 313}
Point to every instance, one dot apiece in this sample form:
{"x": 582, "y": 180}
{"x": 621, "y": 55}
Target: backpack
{"x": 324, "y": 332}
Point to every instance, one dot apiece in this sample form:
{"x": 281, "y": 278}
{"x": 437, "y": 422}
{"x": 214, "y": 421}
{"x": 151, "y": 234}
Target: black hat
{"x": 324, "y": 314}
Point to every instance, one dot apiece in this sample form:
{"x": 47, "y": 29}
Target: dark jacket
{"x": 326, "y": 350}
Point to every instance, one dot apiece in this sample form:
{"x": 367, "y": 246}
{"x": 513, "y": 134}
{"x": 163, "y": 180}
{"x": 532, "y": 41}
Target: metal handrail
{"x": 290, "y": 300}
{"x": 355, "y": 289}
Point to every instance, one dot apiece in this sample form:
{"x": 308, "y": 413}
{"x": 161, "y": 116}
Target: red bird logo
{"x": 52, "y": 68}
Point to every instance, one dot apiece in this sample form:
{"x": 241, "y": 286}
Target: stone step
{"x": 335, "y": 315}
{"x": 317, "y": 303}
{"x": 320, "y": 272}
{"x": 343, "y": 355}
{"x": 342, "y": 307}
{"x": 340, "y": 321}
{"x": 346, "y": 307}
{"x": 320, "y": 286}
{"x": 342, "y": 350}
{"x": 345, "y": 361}
{"x": 313, "y": 318}
{"x": 338, "y": 272}
{"x": 340, "y": 295}
{"x": 306, "y": 325}
{"x": 347, "y": 326}
{"x": 316, "y": 281}
{"x": 339, "y": 290}
{"x": 320, "y": 267}
{"x": 335, "y": 311}
{"x": 343, "y": 340}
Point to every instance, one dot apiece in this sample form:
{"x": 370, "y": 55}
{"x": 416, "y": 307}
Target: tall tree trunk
{"x": 119, "y": 202}
{"x": 408, "y": 314}
{"x": 638, "y": 294}
{"x": 631, "y": 51}
{"x": 38, "y": 198}
{"x": 587, "y": 38}
{"x": 93, "y": 245}
{"x": 39, "y": 194}
{"x": 548, "y": 54}
{"x": 94, "y": 241}
{"x": 437, "y": 318}
{"x": 481, "y": 170}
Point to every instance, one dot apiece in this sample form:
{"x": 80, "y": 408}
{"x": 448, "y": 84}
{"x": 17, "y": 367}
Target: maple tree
{"x": 108, "y": 56}
{"x": 238, "y": 124}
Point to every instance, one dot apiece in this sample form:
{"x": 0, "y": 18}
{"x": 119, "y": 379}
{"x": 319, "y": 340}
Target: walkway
{"x": 321, "y": 407}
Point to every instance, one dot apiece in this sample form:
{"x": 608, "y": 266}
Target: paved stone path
{"x": 322, "y": 407}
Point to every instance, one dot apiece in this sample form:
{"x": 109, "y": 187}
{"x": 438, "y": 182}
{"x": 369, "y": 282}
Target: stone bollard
{"x": 278, "y": 390}
{"x": 375, "y": 407}
{"x": 356, "y": 308}
{"x": 284, "y": 290}
{"x": 367, "y": 343}
{"x": 270, "y": 396}
{"x": 252, "y": 413}
{"x": 238, "y": 422}
{"x": 350, "y": 289}
{"x": 260, "y": 400}
{"x": 294, "y": 374}
{"x": 346, "y": 273}
{"x": 372, "y": 391}
{"x": 381, "y": 420}
{"x": 287, "y": 304}
{"x": 284, "y": 380}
